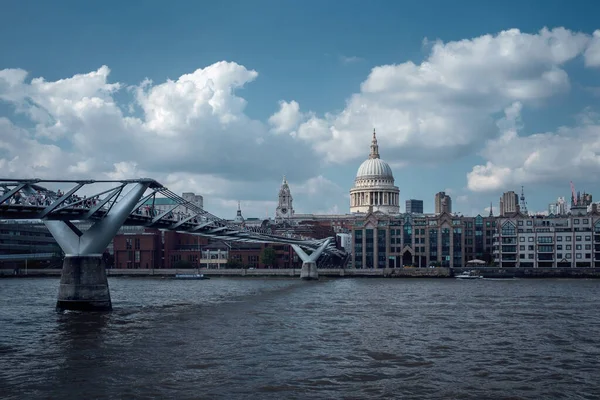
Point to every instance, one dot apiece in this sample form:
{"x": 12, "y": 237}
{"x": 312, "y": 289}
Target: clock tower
{"x": 284, "y": 210}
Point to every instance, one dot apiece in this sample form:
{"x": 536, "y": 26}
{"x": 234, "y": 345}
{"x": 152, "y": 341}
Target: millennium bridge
{"x": 83, "y": 284}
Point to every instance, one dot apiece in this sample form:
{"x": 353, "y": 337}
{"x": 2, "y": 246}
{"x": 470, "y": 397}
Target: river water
{"x": 289, "y": 339}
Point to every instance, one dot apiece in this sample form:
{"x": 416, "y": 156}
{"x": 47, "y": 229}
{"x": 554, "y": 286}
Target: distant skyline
{"x": 470, "y": 98}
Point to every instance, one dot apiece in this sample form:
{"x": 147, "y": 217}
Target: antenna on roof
{"x": 523, "y": 205}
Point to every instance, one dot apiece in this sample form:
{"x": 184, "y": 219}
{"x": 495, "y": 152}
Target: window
{"x": 586, "y": 221}
{"x": 568, "y": 238}
{"x": 559, "y": 247}
{"x": 568, "y": 256}
{"x": 521, "y": 248}
{"x": 588, "y": 238}
{"x": 559, "y": 238}
{"x": 578, "y": 256}
{"x": 578, "y": 238}
{"x": 508, "y": 229}
{"x": 522, "y": 239}
{"x": 520, "y": 223}
{"x": 530, "y": 239}
{"x": 576, "y": 221}
{"x": 588, "y": 246}
{"x": 528, "y": 223}
{"x": 568, "y": 247}
{"x": 577, "y": 247}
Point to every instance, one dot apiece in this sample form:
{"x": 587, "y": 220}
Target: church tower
{"x": 284, "y": 210}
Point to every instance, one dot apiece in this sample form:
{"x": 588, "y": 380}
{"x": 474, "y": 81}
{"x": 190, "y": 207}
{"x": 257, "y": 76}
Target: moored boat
{"x": 469, "y": 275}
{"x": 191, "y": 276}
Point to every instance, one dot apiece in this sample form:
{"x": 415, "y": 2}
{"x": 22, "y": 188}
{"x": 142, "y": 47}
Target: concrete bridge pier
{"x": 83, "y": 281}
{"x": 83, "y": 285}
{"x": 309, "y": 261}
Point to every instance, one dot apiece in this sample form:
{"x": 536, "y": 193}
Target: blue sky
{"x": 317, "y": 54}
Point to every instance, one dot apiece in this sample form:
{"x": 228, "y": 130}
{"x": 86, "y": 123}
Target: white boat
{"x": 191, "y": 276}
{"x": 469, "y": 275}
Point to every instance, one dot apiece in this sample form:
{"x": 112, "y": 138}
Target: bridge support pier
{"x": 83, "y": 282}
{"x": 83, "y": 285}
{"x": 309, "y": 271}
{"x": 309, "y": 261}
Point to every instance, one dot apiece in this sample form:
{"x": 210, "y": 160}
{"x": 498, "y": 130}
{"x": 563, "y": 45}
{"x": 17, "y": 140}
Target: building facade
{"x": 509, "y": 203}
{"x": 414, "y": 206}
{"x": 443, "y": 203}
{"x": 552, "y": 241}
{"x": 394, "y": 241}
{"x": 374, "y": 185}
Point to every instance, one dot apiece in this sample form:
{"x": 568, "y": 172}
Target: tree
{"x": 233, "y": 263}
{"x": 182, "y": 264}
{"x": 268, "y": 257}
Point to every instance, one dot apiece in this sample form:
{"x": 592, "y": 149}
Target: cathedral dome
{"x": 374, "y": 185}
{"x": 374, "y": 168}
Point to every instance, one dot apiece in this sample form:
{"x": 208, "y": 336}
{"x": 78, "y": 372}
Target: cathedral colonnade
{"x": 374, "y": 198}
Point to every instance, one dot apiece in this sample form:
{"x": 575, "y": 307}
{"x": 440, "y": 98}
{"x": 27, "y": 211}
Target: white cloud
{"x": 592, "y": 54}
{"x": 194, "y": 124}
{"x": 514, "y": 160}
{"x": 287, "y": 118}
{"x": 443, "y": 107}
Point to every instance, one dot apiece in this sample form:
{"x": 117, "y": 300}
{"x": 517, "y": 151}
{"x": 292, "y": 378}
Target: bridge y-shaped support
{"x": 309, "y": 261}
{"x": 83, "y": 283}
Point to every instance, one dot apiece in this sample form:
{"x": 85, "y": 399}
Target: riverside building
{"x": 549, "y": 241}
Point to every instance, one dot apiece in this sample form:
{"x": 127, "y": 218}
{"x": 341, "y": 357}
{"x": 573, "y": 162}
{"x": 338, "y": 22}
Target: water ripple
{"x": 274, "y": 339}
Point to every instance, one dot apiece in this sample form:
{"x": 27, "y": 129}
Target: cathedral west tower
{"x": 285, "y": 209}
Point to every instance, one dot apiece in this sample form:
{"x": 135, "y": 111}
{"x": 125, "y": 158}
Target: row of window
{"x": 550, "y": 239}
{"x": 576, "y": 221}
{"x": 543, "y": 248}
{"x": 559, "y": 256}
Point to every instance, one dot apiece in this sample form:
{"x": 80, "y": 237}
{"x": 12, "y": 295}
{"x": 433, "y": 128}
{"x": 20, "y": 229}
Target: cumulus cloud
{"x": 287, "y": 118}
{"x": 592, "y": 54}
{"x": 443, "y": 107}
{"x": 514, "y": 159}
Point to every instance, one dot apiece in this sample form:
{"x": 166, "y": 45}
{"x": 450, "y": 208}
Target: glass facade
{"x": 381, "y": 253}
{"x": 445, "y": 247}
{"x": 358, "y": 248}
{"x": 369, "y": 248}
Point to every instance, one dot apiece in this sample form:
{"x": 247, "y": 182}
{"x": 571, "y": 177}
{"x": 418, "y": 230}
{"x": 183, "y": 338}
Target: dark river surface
{"x": 288, "y": 339}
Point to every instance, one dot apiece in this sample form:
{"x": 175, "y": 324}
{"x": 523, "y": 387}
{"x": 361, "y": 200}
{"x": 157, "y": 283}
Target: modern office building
{"x": 414, "y": 206}
{"x": 393, "y": 241}
{"x": 443, "y": 203}
{"x": 509, "y": 202}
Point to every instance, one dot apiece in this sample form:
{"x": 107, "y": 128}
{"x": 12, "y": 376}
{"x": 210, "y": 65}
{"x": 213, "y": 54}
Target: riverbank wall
{"x": 486, "y": 272}
{"x": 258, "y": 273}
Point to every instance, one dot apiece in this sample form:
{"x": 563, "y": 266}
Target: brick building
{"x": 138, "y": 250}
